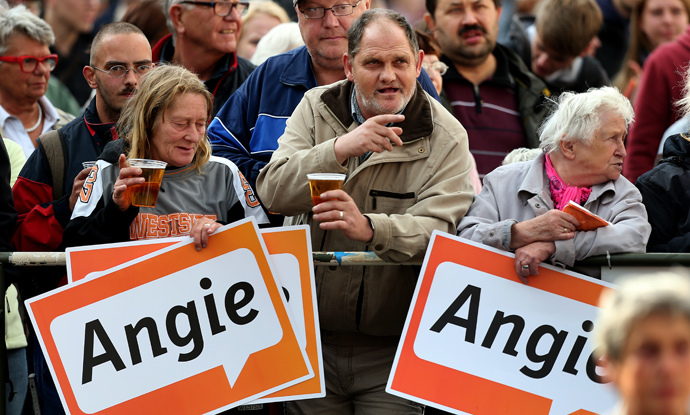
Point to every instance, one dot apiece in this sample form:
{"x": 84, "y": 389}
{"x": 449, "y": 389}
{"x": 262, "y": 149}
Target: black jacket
{"x": 666, "y": 195}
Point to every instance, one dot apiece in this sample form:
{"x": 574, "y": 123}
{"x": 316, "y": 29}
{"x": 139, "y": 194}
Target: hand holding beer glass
{"x": 146, "y": 194}
{"x": 350, "y": 221}
{"x": 138, "y": 183}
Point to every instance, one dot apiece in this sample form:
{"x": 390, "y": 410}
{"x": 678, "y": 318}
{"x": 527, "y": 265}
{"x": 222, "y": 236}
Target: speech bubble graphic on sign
{"x": 476, "y": 333}
{"x": 177, "y": 331}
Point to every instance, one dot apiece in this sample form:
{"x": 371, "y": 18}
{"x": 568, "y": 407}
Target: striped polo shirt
{"x": 488, "y": 111}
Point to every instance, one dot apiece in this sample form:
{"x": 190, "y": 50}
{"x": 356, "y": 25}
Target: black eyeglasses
{"x": 118, "y": 71}
{"x": 28, "y": 64}
{"x": 221, "y": 8}
{"x": 337, "y": 10}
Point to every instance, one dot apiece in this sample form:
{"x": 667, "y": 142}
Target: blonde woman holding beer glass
{"x": 165, "y": 122}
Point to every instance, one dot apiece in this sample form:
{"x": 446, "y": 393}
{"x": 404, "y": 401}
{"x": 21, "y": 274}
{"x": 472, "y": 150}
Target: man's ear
{"x": 176, "y": 18}
{"x": 420, "y": 60}
{"x": 430, "y": 23}
{"x": 90, "y": 76}
{"x": 347, "y": 63}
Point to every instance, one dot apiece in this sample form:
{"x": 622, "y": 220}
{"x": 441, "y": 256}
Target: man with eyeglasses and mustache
{"x": 203, "y": 38}
{"x": 120, "y": 56}
{"x": 492, "y": 92}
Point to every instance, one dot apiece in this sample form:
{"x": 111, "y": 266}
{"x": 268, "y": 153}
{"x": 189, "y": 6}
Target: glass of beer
{"x": 146, "y": 194}
{"x": 323, "y": 182}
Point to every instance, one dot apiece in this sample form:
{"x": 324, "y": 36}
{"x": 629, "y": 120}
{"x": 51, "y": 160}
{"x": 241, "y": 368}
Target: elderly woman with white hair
{"x": 642, "y": 337}
{"x": 25, "y": 67}
{"x": 520, "y": 206}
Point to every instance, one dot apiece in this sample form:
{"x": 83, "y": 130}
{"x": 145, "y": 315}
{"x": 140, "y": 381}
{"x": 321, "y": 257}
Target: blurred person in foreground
{"x": 203, "y": 38}
{"x": 642, "y": 338}
{"x": 520, "y": 206}
{"x": 166, "y": 120}
{"x": 25, "y": 66}
{"x": 407, "y": 168}
{"x": 664, "y": 190}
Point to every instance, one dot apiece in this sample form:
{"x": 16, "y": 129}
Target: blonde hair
{"x": 158, "y": 91}
{"x": 265, "y": 7}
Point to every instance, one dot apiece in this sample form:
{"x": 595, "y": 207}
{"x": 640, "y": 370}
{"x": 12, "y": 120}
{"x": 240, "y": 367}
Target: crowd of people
{"x": 469, "y": 121}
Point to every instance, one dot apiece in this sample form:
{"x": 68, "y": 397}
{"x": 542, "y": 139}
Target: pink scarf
{"x": 561, "y": 193}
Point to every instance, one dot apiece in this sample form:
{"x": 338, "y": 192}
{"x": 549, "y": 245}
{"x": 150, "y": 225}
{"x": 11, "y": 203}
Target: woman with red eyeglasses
{"x": 25, "y": 66}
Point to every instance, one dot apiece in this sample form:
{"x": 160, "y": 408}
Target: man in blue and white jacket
{"x": 247, "y": 128}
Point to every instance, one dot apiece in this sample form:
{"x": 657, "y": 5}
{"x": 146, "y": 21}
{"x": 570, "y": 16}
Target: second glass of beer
{"x": 323, "y": 182}
{"x": 146, "y": 194}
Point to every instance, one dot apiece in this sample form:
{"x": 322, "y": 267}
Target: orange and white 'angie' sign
{"x": 290, "y": 251}
{"x": 478, "y": 341}
{"x": 176, "y": 331}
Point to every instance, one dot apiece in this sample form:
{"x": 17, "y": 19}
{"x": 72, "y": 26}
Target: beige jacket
{"x": 406, "y": 193}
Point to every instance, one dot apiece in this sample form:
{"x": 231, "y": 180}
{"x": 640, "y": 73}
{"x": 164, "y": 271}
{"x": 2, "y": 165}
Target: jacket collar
{"x": 418, "y": 119}
{"x": 299, "y": 70}
{"x": 537, "y": 183}
{"x": 164, "y": 51}
{"x": 96, "y": 128}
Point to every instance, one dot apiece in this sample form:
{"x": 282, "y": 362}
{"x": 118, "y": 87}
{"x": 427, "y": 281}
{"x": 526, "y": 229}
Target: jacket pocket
{"x": 398, "y": 197}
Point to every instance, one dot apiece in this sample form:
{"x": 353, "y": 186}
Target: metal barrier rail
{"x": 650, "y": 259}
{"x": 42, "y": 259}
{"x": 38, "y": 259}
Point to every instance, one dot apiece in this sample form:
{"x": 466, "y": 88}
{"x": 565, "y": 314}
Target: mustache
{"x": 128, "y": 90}
{"x": 466, "y": 29}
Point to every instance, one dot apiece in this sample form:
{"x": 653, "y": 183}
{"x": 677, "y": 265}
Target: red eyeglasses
{"x": 28, "y": 63}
